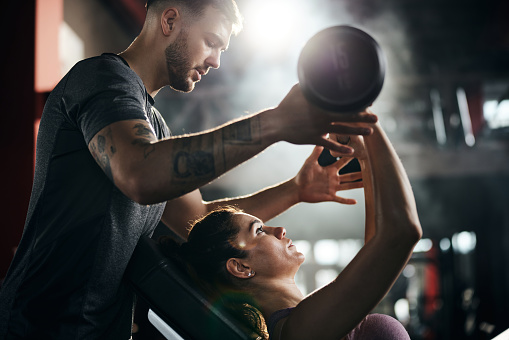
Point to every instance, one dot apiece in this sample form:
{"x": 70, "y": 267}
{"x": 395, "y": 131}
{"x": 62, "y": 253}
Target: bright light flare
{"x": 402, "y": 310}
{"x": 445, "y": 244}
{"x": 326, "y": 252}
{"x": 269, "y": 25}
{"x": 464, "y": 242}
{"x": 423, "y": 245}
{"x": 496, "y": 114}
{"x": 303, "y": 247}
{"x": 325, "y": 276}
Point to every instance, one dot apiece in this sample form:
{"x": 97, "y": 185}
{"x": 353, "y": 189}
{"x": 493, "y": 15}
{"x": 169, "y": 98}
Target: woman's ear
{"x": 239, "y": 270}
{"x": 169, "y": 20}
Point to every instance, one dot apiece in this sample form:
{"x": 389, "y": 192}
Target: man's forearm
{"x": 150, "y": 171}
{"x": 176, "y": 166}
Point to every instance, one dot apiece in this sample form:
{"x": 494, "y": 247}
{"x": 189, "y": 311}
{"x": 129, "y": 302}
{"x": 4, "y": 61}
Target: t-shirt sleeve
{"x": 100, "y": 92}
{"x": 160, "y": 127}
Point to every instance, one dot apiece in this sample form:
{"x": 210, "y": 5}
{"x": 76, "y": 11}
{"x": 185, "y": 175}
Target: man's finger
{"x": 339, "y": 149}
{"x": 347, "y": 130}
{"x": 361, "y": 117}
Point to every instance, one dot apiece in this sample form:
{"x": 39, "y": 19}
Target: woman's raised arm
{"x": 334, "y": 310}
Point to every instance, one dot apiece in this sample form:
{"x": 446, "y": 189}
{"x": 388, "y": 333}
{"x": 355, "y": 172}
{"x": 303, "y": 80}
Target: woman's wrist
{"x": 293, "y": 190}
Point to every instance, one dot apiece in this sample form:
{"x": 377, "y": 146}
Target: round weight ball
{"x": 341, "y": 69}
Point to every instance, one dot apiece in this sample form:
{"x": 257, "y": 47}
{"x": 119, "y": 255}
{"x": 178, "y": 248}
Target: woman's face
{"x": 270, "y": 253}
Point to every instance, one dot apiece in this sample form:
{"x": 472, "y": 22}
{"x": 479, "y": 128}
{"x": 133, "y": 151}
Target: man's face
{"x": 196, "y": 49}
{"x": 179, "y": 63}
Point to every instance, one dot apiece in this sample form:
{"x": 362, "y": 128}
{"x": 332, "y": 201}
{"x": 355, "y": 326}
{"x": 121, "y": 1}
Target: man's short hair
{"x": 196, "y": 7}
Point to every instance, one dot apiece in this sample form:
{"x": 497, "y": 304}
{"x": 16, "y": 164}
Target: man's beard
{"x": 178, "y": 64}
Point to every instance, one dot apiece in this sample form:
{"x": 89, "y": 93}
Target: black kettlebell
{"x": 341, "y": 69}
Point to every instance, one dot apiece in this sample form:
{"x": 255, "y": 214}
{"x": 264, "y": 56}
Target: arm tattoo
{"x": 101, "y": 143}
{"x": 103, "y": 146}
{"x": 148, "y": 148}
{"x": 199, "y": 164}
{"x": 243, "y": 132}
{"x": 144, "y": 141}
{"x": 100, "y": 154}
{"x": 142, "y": 130}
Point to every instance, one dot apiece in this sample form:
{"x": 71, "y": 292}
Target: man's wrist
{"x": 269, "y": 128}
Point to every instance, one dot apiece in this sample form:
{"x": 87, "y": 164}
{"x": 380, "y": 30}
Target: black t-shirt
{"x": 65, "y": 280}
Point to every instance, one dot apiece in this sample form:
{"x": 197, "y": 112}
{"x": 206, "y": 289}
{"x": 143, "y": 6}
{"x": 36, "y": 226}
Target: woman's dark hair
{"x": 196, "y": 7}
{"x": 209, "y": 246}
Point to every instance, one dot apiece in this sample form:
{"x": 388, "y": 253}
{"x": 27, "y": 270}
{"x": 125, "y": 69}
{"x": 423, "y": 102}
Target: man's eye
{"x": 210, "y": 44}
{"x": 259, "y": 230}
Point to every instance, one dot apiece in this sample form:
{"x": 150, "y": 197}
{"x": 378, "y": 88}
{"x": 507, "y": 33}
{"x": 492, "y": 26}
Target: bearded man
{"x": 108, "y": 170}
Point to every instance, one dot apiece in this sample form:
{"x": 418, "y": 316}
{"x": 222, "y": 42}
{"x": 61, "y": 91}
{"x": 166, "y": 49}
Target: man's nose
{"x": 214, "y": 60}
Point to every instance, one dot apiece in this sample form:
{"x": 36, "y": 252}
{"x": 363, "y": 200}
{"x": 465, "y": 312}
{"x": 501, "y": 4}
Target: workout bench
{"x": 177, "y": 308}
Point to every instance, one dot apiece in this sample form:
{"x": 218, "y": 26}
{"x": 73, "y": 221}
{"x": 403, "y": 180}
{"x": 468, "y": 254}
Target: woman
{"x": 250, "y": 267}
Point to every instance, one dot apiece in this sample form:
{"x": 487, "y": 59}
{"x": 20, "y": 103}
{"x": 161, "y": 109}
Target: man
{"x": 106, "y": 166}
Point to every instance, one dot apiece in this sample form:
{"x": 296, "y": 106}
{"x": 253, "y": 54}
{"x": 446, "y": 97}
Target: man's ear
{"x": 237, "y": 269}
{"x": 170, "y": 18}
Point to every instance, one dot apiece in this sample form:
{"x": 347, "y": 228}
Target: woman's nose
{"x": 279, "y": 232}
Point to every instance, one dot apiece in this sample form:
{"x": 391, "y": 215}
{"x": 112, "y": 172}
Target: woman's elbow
{"x": 409, "y": 227}
{"x": 412, "y": 233}
{"x": 406, "y": 236}
{"x": 415, "y": 232}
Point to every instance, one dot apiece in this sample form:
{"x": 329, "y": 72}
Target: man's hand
{"x": 320, "y": 184}
{"x": 297, "y": 121}
{"x": 356, "y": 142}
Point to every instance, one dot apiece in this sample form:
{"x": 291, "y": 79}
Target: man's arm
{"x": 150, "y": 171}
{"x": 312, "y": 184}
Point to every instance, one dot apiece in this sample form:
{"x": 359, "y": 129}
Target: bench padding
{"x": 175, "y": 298}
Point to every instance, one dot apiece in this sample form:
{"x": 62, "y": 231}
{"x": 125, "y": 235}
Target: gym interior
{"x": 444, "y": 105}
